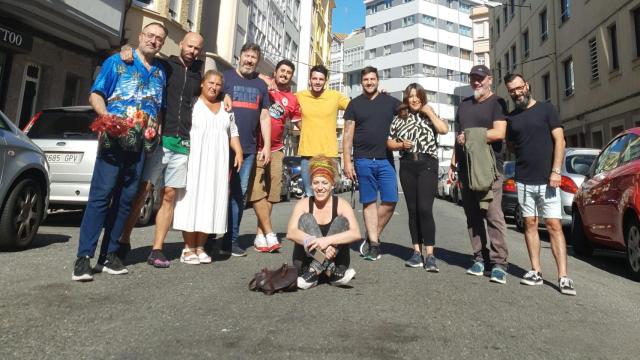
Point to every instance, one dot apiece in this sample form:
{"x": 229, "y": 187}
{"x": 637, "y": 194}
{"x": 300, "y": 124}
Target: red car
{"x": 607, "y": 206}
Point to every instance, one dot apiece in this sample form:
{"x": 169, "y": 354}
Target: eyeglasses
{"x": 151, "y": 36}
{"x": 517, "y": 89}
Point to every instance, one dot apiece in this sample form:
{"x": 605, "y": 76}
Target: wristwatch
{"x": 556, "y": 170}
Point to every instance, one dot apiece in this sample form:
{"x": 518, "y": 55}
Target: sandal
{"x": 191, "y": 258}
{"x": 202, "y": 255}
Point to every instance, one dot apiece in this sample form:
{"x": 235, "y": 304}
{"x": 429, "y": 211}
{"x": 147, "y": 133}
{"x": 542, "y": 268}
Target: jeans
{"x": 419, "y": 180}
{"x": 238, "y": 185}
{"x": 114, "y": 184}
{"x": 309, "y": 225}
{"x": 305, "y": 172}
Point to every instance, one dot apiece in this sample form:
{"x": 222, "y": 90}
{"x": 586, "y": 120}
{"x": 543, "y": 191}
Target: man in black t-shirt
{"x": 487, "y": 110}
{"x": 535, "y": 133}
{"x": 367, "y": 121}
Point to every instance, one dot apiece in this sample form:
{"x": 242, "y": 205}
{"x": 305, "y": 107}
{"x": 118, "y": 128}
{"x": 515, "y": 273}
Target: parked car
{"x": 71, "y": 148}
{"x": 606, "y": 208}
{"x": 510, "y": 205}
{"x": 24, "y": 187}
{"x": 455, "y": 191}
{"x": 444, "y": 185}
{"x": 575, "y": 166}
{"x": 292, "y": 172}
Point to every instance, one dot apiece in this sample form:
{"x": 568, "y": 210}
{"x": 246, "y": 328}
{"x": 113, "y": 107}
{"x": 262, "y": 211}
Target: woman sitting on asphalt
{"x": 322, "y": 226}
{"x": 414, "y": 133}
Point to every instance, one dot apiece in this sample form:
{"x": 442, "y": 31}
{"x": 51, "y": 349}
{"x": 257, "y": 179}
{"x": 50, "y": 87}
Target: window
{"x": 512, "y": 9}
{"x": 596, "y": 139}
{"x": 565, "y": 10}
{"x": 451, "y": 50}
{"x": 636, "y": 27}
{"x": 465, "y": 54}
{"x": 617, "y": 129}
{"x": 450, "y": 99}
{"x": 191, "y": 16}
{"x": 480, "y": 59}
{"x": 569, "y": 86}
{"x": 464, "y": 30}
{"x": 387, "y": 50}
{"x": 505, "y": 14}
{"x": 525, "y": 44}
{"x": 498, "y": 27}
{"x": 428, "y": 70}
{"x": 514, "y": 60}
{"x": 387, "y": 4}
{"x": 613, "y": 39}
{"x": 610, "y": 156}
{"x": 432, "y": 96}
{"x": 407, "y": 45}
{"x": 632, "y": 151}
{"x": 478, "y": 30}
{"x": 29, "y": 94}
{"x": 428, "y": 45}
{"x": 429, "y": 20}
{"x": 407, "y": 70}
{"x": 593, "y": 58}
{"x": 386, "y": 73}
{"x": 544, "y": 25}
{"x": 506, "y": 62}
{"x": 451, "y": 4}
{"x": 408, "y": 21}
{"x": 406, "y": 1}
{"x": 463, "y": 77}
{"x": 499, "y": 72}
{"x": 371, "y": 9}
{"x": 70, "y": 95}
{"x": 372, "y": 31}
{"x": 147, "y": 4}
{"x": 372, "y": 54}
{"x": 449, "y": 26}
{"x": 465, "y": 8}
{"x": 450, "y": 74}
{"x": 546, "y": 87}
{"x": 174, "y": 9}
{"x": 387, "y": 27}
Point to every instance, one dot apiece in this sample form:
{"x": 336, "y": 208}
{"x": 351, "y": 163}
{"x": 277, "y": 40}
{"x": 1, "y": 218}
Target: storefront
{"x": 11, "y": 42}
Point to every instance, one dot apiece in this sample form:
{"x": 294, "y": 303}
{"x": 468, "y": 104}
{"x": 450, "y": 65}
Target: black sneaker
{"x": 415, "y": 260}
{"x": 532, "y": 278}
{"x": 157, "y": 259}
{"x": 237, "y": 251}
{"x": 373, "y": 254}
{"x": 308, "y": 279}
{"x": 430, "y": 264}
{"x": 82, "y": 269}
{"x": 123, "y": 250}
{"x": 111, "y": 265}
{"x": 341, "y": 277}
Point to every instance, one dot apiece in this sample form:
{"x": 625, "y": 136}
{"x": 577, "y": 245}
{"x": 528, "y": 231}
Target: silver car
{"x": 24, "y": 187}
{"x": 71, "y": 149}
{"x": 575, "y": 166}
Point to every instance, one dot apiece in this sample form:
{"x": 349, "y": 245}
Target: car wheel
{"x": 147, "y": 209}
{"x": 581, "y": 244}
{"x": 632, "y": 239}
{"x": 518, "y": 219}
{"x": 21, "y": 215}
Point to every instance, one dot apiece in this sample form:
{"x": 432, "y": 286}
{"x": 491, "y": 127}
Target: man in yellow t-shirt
{"x": 319, "y": 120}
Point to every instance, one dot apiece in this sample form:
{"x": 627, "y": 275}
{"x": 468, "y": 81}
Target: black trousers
{"x": 309, "y": 225}
{"x": 419, "y": 180}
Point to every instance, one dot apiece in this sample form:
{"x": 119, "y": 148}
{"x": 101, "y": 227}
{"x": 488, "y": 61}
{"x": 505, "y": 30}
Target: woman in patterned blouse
{"x": 414, "y": 132}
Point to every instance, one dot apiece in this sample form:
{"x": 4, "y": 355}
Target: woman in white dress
{"x": 201, "y": 208}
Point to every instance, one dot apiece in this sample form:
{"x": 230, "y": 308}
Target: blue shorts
{"x": 376, "y": 175}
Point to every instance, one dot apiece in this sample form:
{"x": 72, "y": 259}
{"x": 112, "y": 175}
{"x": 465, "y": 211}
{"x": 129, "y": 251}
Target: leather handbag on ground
{"x": 283, "y": 278}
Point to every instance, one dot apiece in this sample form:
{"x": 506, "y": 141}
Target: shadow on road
{"x": 613, "y": 262}
{"x": 42, "y": 240}
{"x": 464, "y": 261}
{"x": 70, "y": 218}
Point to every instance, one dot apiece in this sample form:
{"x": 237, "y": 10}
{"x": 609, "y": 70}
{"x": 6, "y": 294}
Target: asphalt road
{"x": 390, "y": 312}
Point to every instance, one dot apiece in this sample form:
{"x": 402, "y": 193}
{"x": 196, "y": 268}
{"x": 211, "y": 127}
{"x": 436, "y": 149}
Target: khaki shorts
{"x": 267, "y": 182}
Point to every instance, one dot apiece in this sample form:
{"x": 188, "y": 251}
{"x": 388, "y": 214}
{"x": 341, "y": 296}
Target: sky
{"x": 347, "y": 15}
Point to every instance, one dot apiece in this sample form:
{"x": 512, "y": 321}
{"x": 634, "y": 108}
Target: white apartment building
{"x": 481, "y": 35}
{"x": 423, "y": 41}
{"x": 353, "y": 62}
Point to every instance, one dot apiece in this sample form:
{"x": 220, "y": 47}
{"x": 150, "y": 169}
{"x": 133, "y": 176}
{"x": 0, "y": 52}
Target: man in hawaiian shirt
{"x": 134, "y": 92}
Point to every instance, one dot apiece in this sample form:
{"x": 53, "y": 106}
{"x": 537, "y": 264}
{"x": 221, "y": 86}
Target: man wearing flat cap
{"x": 483, "y": 110}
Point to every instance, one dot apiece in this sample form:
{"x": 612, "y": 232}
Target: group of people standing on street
{"x": 207, "y": 139}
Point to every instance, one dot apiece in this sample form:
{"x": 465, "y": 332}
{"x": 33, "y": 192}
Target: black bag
{"x": 283, "y": 278}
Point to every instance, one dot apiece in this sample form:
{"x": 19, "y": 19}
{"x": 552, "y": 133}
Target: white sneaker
{"x": 192, "y": 259}
{"x": 260, "y": 243}
{"x": 272, "y": 242}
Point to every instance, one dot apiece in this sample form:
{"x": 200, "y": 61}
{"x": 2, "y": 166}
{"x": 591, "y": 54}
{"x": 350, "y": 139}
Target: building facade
{"x": 583, "y": 56}
{"x": 49, "y": 52}
{"x": 481, "y": 35}
{"x": 353, "y": 62}
{"x": 427, "y": 42}
{"x": 315, "y": 37}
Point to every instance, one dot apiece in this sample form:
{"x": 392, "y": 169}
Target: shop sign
{"x": 15, "y": 39}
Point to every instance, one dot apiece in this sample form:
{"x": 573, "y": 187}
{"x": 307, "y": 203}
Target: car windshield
{"x": 579, "y": 163}
{"x": 63, "y": 125}
{"x": 509, "y": 169}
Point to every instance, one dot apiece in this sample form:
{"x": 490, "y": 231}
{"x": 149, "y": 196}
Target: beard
{"x": 521, "y": 105}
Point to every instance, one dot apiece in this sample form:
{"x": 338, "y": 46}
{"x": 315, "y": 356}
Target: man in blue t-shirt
{"x": 250, "y": 100}
{"x": 535, "y": 133}
{"x": 367, "y": 121}
{"x": 135, "y": 92}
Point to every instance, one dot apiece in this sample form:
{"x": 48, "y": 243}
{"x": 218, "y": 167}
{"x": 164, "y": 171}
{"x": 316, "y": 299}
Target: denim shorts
{"x": 165, "y": 167}
{"x": 539, "y": 201}
{"x": 376, "y": 175}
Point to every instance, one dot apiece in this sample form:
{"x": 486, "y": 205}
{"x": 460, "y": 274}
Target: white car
{"x": 576, "y": 164}
{"x": 444, "y": 186}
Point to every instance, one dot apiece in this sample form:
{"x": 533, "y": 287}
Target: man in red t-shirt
{"x": 267, "y": 183}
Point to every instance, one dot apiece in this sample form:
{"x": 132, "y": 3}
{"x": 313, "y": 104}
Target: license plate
{"x": 64, "y": 158}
